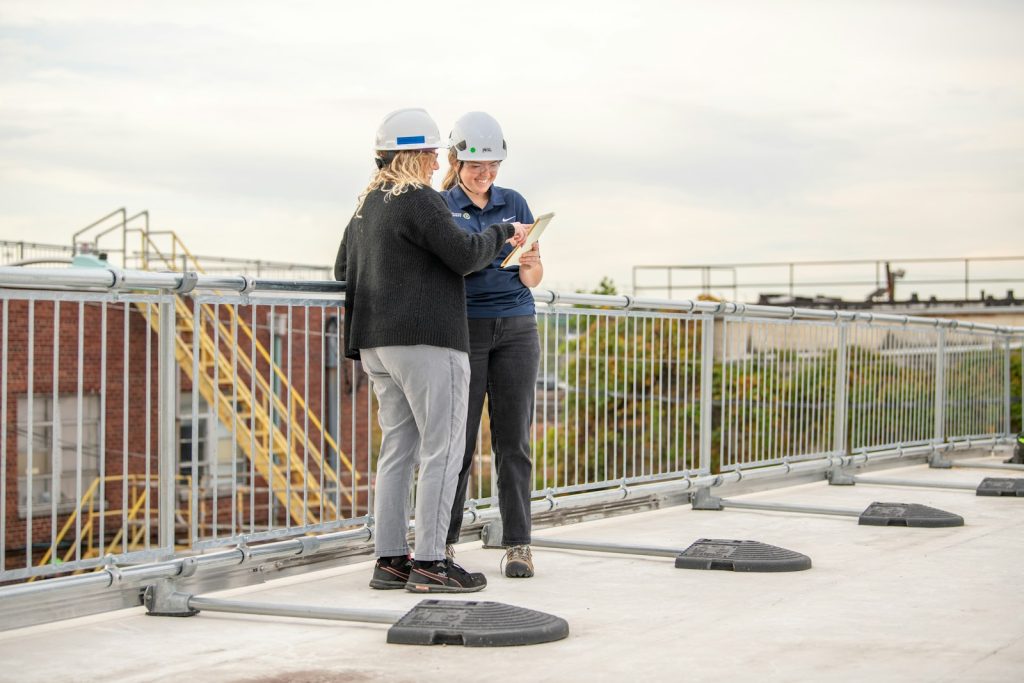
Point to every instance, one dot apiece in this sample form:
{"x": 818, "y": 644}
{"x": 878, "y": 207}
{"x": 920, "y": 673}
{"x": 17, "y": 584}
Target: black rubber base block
{"x": 741, "y": 556}
{"x": 908, "y": 514}
{"x": 475, "y": 624}
{"x": 1001, "y": 486}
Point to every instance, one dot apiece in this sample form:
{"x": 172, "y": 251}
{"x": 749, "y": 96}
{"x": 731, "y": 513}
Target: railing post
{"x": 839, "y": 445}
{"x": 707, "y": 364}
{"x": 1006, "y": 386}
{"x": 167, "y": 399}
{"x": 940, "y": 387}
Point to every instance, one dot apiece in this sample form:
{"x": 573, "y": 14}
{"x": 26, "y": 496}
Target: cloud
{"x": 694, "y": 132}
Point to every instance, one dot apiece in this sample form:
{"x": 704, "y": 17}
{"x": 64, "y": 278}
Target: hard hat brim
{"x": 395, "y": 147}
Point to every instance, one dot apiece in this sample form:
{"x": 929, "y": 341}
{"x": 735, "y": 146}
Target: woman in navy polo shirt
{"x": 504, "y": 349}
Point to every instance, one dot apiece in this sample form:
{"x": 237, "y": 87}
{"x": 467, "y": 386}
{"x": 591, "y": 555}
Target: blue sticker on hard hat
{"x": 411, "y": 140}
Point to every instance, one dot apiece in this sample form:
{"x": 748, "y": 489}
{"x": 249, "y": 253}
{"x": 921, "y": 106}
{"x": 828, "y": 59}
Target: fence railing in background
{"x": 18, "y": 253}
{"x": 864, "y": 280}
{"x": 629, "y": 392}
{"x": 161, "y": 248}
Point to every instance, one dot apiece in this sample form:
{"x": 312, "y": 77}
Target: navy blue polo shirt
{"x": 493, "y": 292}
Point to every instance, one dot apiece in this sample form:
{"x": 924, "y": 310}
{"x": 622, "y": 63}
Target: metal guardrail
{"x": 19, "y": 252}
{"x": 633, "y": 396}
{"x": 859, "y": 279}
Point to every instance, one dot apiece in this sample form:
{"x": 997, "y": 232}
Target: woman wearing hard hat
{"x": 403, "y": 259}
{"x": 504, "y": 349}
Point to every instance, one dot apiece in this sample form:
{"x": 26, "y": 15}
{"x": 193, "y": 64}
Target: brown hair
{"x": 451, "y": 178}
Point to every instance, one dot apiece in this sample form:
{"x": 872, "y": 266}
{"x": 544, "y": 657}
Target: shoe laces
{"x": 451, "y": 567}
{"x": 521, "y": 553}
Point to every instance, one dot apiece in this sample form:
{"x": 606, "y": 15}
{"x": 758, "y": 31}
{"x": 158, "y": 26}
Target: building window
{"x": 215, "y": 459}
{"x": 55, "y": 463}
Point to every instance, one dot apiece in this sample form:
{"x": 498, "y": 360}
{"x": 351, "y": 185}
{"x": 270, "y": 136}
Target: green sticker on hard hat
{"x": 472, "y": 150}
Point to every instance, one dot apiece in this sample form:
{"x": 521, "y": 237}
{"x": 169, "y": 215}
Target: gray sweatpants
{"x": 422, "y": 393}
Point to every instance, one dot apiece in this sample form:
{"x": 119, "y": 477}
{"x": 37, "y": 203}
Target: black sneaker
{"x": 444, "y": 576}
{"x": 390, "y": 573}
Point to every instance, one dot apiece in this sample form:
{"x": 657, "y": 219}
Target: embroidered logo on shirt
{"x": 457, "y": 214}
{"x": 505, "y": 220}
{"x": 466, "y": 215}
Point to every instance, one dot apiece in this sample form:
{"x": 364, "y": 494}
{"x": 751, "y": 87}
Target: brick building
{"x": 81, "y": 424}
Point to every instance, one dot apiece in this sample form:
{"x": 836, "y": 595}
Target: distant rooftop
{"x": 906, "y": 283}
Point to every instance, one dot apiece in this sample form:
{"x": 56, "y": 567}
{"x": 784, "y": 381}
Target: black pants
{"x": 503, "y": 359}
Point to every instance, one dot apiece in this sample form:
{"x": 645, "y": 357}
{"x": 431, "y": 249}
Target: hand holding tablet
{"x": 532, "y": 236}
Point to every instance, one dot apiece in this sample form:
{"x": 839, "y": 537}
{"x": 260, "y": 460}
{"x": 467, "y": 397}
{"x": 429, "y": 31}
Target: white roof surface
{"x": 879, "y": 604}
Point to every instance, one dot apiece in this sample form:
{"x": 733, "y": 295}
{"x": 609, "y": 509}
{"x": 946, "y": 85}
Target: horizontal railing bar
{"x": 16, "y": 276}
{"x": 886, "y": 481}
{"x": 313, "y": 299}
{"x": 791, "y": 507}
{"x": 759, "y": 311}
{"x": 990, "y": 466}
{"x": 142, "y": 574}
{"x": 375, "y": 616}
{"x": 262, "y": 285}
{"x": 823, "y": 283}
{"x": 896, "y": 261}
{"x": 104, "y": 278}
{"x": 605, "y": 547}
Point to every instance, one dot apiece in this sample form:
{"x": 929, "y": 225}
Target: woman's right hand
{"x": 520, "y": 236}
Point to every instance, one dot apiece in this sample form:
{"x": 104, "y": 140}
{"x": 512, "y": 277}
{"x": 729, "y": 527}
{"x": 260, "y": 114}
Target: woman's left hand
{"x": 531, "y": 272}
{"x": 530, "y": 259}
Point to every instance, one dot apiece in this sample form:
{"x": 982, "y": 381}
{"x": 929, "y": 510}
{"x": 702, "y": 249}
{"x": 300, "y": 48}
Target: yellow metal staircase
{"x": 294, "y": 467}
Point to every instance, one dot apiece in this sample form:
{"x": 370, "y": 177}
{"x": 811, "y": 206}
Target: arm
{"x": 432, "y": 228}
{"x": 341, "y": 260}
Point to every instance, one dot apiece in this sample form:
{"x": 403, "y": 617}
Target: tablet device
{"x": 532, "y": 236}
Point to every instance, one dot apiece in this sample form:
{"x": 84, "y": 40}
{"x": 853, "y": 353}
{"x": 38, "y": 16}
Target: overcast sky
{"x": 659, "y": 132}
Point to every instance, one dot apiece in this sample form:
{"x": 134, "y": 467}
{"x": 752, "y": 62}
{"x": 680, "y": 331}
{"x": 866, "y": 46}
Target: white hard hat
{"x": 477, "y": 136}
{"x": 407, "y": 129}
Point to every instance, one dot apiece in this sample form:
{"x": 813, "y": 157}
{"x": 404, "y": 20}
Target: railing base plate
{"x": 1001, "y": 486}
{"x": 908, "y": 514}
{"x": 741, "y": 556}
{"x": 475, "y": 624}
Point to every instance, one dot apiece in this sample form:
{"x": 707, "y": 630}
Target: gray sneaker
{"x": 518, "y": 562}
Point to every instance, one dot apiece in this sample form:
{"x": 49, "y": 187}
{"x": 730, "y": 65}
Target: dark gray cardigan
{"x": 404, "y": 259}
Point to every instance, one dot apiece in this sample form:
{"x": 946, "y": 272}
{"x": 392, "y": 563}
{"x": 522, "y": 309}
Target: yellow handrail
{"x": 87, "y": 506}
{"x": 89, "y": 496}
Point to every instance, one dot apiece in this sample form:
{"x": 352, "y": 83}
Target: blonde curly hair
{"x": 397, "y": 172}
